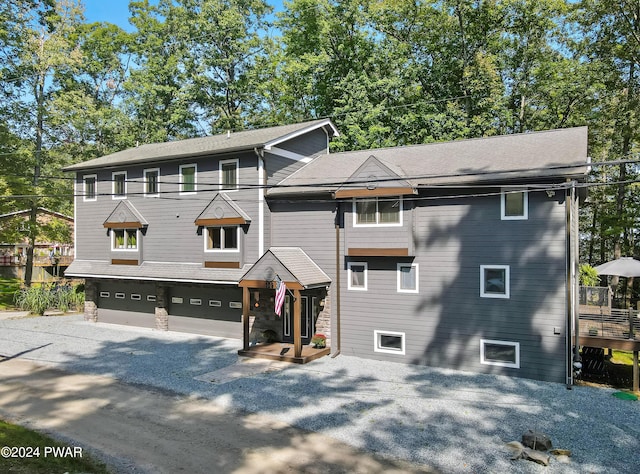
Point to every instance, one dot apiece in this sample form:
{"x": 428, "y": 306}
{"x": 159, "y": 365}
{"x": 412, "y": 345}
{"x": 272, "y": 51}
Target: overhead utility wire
{"x": 171, "y": 195}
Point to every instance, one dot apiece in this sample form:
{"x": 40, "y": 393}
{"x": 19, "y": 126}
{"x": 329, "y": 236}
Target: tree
{"x": 40, "y": 47}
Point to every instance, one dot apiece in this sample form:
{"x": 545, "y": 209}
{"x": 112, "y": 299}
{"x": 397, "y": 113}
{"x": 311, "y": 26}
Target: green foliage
{"x": 16, "y": 436}
{"x": 39, "y": 299}
{"x": 588, "y": 275}
{"x": 8, "y": 288}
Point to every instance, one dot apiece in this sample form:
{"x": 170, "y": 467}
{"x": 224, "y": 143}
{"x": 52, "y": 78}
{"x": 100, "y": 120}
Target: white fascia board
{"x": 315, "y": 126}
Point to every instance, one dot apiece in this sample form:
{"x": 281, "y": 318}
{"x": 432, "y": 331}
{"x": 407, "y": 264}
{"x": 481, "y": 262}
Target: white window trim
{"x": 512, "y": 365}
{"x": 503, "y": 204}
{"x": 378, "y": 348}
{"x": 237, "y": 163}
{"x": 144, "y": 174}
{"x": 507, "y": 284}
{"x": 113, "y": 241}
{"x": 113, "y": 184}
{"x": 399, "y": 278}
{"x": 390, "y": 224}
{"x": 366, "y": 276}
{"x": 95, "y": 187}
{"x": 195, "y": 179}
{"x": 206, "y": 236}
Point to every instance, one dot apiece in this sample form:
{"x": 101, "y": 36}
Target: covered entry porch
{"x": 284, "y": 333}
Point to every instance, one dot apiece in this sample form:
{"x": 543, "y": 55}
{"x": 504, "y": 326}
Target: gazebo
{"x": 306, "y": 291}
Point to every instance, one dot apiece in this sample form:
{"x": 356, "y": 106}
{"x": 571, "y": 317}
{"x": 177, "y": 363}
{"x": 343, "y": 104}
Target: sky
{"x": 117, "y": 11}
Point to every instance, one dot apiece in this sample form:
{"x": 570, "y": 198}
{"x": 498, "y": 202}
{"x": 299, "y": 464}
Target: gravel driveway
{"x": 453, "y": 421}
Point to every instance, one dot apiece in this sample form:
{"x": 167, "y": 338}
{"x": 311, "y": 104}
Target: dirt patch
{"x": 140, "y": 430}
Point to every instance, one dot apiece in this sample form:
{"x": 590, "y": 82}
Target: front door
{"x": 306, "y": 310}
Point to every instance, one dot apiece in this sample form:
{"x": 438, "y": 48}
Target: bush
{"x": 38, "y": 299}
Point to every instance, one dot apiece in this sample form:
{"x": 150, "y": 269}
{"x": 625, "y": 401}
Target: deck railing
{"x": 610, "y": 323}
{"x": 39, "y": 261}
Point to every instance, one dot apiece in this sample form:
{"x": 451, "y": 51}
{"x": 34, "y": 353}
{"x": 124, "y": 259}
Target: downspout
{"x": 572, "y": 321}
{"x": 337, "y": 282}
{"x": 260, "y": 155}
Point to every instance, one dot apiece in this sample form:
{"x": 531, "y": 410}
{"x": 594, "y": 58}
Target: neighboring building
{"x": 459, "y": 254}
{"x": 53, "y": 250}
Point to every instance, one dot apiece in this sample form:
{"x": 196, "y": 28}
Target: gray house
{"x": 460, "y": 255}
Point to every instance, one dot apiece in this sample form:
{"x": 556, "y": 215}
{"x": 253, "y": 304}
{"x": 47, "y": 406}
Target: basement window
{"x": 389, "y": 342}
{"x": 500, "y": 353}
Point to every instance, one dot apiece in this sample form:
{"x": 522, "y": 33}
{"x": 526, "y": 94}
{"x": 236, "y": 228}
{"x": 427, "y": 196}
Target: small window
{"x": 195, "y": 301}
{"x": 152, "y": 182}
{"x": 514, "y": 204}
{"x": 124, "y": 239}
{"x": 235, "y": 305}
{"x": 389, "y": 341}
{"x": 229, "y": 174}
{"x": 222, "y": 238}
{"x": 136, "y": 297}
{"x": 383, "y": 211}
{"x": 494, "y": 281}
{"x": 176, "y": 300}
{"x": 501, "y": 353}
{"x": 119, "y": 185}
{"x": 188, "y": 179}
{"x": 105, "y": 294}
{"x": 408, "y": 277}
{"x": 89, "y": 191}
{"x": 119, "y": 296}
{"x": 357, "y": 279}
{"x": 215, "y": 303}
{"x": 151, "y": 297}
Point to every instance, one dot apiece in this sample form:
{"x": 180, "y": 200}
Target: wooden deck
{"x": 613, "y": 329}
{"x": 284, "y": 352}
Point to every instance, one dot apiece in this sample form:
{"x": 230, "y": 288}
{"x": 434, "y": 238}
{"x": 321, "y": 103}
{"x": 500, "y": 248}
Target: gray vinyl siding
{"x": 279, "y": 167}
{"x": 445, "y": 321}
{"x": 308, "y": 225}
{"x": 313, "y": 143}
{"x": 172, "y": 235}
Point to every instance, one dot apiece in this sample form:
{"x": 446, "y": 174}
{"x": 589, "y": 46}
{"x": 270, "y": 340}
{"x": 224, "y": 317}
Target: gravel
{"x": 452, "y": 421}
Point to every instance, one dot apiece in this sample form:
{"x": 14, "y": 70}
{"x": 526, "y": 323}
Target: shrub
{"x": 38, "y": 299}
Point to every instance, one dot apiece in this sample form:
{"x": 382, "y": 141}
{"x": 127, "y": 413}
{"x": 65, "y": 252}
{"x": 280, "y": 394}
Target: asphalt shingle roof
{"x": 234, "y": 141}
{"x": 554, "y": 153}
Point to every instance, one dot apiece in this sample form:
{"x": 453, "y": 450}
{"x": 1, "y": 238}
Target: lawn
{"x": 8, "y": 287}
{"x": 26, "y": 451}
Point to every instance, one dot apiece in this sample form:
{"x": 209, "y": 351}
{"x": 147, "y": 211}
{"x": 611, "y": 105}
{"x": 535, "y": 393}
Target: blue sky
{"x": 117, "y": 11}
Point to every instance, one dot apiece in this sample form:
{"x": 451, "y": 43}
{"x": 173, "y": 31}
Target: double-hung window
{"x": 188, "y": 179}
{"x": 152, "y": 182}
{"x": 382, "y": 211}
{"x": 119, "y": 185}
{"x": 223, "y": 238}
{"x": 514, "y": 204}
{"x": 229, "y": 175}
{"x": 89, "y": 191}
{"x": 124, "y": 239}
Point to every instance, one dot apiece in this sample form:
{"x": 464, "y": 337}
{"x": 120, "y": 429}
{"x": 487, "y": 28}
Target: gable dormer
{"x": 372, "y": 179}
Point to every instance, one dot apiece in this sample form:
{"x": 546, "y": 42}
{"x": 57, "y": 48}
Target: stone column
{"x": 162, "y": 303}
{"x": 91, "y": 301}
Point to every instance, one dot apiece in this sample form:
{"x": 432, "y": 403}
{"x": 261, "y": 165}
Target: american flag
{"x": 281, "y": 289}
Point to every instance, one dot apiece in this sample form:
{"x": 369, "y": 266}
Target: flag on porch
{"x": 281, "y": 289}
